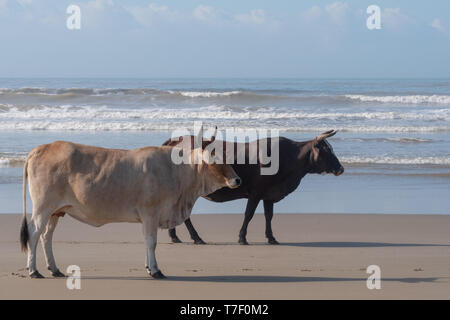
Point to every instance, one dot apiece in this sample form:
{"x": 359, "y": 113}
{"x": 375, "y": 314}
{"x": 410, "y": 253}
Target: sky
{"x": 225, "y": 39}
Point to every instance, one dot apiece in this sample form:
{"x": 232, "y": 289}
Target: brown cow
{"x": 98, "y": 186}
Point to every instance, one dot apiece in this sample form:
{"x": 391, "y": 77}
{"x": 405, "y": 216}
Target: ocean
{"x": 393, "y": 139}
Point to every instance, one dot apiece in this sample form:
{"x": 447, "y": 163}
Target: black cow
{"x": 296, "y": 159}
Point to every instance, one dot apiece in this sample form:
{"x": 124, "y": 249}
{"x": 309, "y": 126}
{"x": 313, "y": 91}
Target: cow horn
{"x": 213, "y": 137}
{"x": 326, "y": 134}
{"x": 199, "y": 138}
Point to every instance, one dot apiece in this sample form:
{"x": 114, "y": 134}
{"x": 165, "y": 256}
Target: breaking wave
{"x": 77, "y": 91}
{"x": 18, "y": 160}
{"x": 11, "y": 160}
{"x": 212, "y": 111}
{"x": 236, "y": 95}
{"x": 206, "y": 94}
{"x": 396, "y": 160}
{"x": 69, "y": 117}
{"x": 406, "y": 99}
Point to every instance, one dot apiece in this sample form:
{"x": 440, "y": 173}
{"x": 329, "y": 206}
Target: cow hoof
{"x": 58, "y": 274}
{"x": 176, "y": 240}
{"x": 243, "y": 242}
{"x": 273, "y": 241}
{"x": 158, "y": 275}
{"x": 199, "y": 241}
{"x": 36, "y": 275}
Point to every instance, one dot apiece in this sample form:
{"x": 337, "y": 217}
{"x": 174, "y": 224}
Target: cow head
{"x": 322, "y": 156}
{"x": 223, "y": 175}
{"x": 216, "y": 171}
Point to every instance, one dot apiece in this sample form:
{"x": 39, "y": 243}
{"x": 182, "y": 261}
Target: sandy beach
{"x": 320, "y": 257}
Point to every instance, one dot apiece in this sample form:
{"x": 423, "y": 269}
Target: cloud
{"x": 312, "y": 14}
{"x": 24, "y": 3}
{"x": 437, "y": 24}
{"x": 146, "y": 15}
{"x": 205, "y": 13}
{"x": 94, "y": 13}
{"x": 337, "y": 11}
{"x": 96, "y": 4}
{"x": 394, "y": 18}
{"x": 3, "y": 5}
{"x": 256, "y": 16}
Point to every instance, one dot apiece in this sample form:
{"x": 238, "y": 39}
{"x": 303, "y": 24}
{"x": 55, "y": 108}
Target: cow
{"x": 97, "y": 186}
{"x": 296, "y": 159}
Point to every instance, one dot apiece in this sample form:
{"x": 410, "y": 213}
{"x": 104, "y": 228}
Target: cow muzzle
{"x": 234, "y": 183}
{"x": 339, "y": 171}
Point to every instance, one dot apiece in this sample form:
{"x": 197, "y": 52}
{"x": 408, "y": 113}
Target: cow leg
{"x": 268, "y": 213}
{"x": 193, "y": 232}
{"x": 46, "y": 239}
{"x": 150, "y": 228}
{"x": 173, "y": 236}
{"x": 35, "y": 227}
{"x": 249, "y": 212}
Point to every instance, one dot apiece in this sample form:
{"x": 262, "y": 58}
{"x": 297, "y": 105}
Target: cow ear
{"x": 207, "y": 157}
{"x": 198, "y": 140}
{"x": 314, "y": 152}
{"x": 213, "y": 137}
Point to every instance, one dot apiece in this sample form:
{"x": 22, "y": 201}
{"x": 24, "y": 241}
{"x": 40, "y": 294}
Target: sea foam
{"x": 405, "y": 99}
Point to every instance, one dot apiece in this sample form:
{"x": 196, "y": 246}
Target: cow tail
{"x": 24, "y": 235}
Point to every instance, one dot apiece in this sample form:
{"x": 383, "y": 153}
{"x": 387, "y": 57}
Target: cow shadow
{"x": 261, "y": 279}
{"x": 341, "y": 244}
{"x": 332, "y": 244}
{"x": 283, "y": 279}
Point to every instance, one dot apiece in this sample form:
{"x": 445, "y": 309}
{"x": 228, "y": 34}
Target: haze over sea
{"x": 393, "y": 140}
